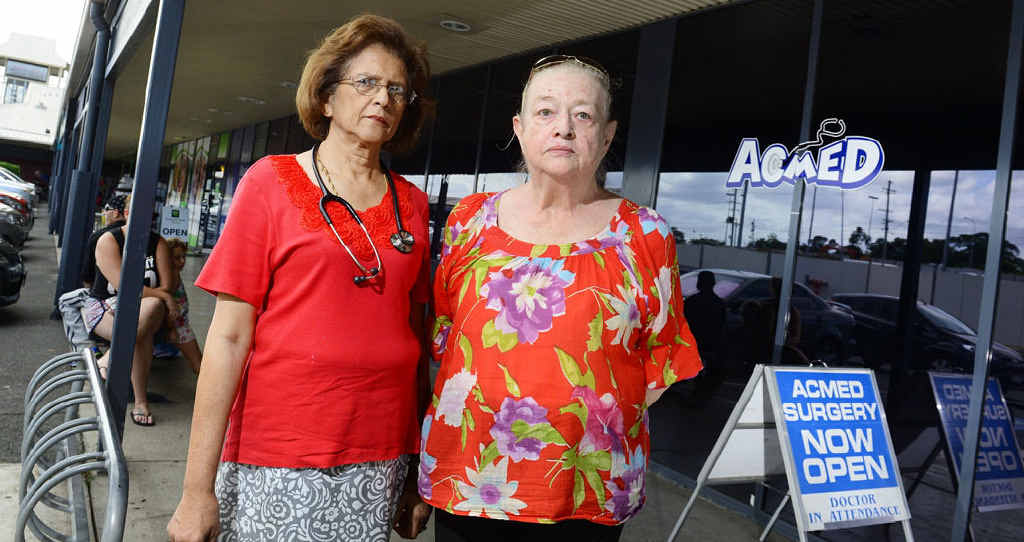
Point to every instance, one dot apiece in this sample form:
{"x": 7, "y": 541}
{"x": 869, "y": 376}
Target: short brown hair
{"x": 326, "y": 66}
{"x": 176, "y": 244}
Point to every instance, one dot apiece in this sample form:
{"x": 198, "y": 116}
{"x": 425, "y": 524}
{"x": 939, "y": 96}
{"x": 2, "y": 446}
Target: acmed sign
{"x": 849, "y": 163}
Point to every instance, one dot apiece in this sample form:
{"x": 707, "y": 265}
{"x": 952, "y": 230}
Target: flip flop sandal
{"x": 147, "y": 419}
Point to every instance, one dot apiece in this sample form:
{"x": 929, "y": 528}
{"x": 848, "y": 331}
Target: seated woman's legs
{"x": 151, "y": 316}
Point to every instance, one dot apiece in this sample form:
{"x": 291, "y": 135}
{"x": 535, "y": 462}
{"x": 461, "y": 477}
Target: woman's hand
{"x": 197, "y": 519}
{"x": 413, "y": 513}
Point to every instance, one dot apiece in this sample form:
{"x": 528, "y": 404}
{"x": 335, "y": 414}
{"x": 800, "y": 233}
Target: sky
{"x": 55, "y": 19}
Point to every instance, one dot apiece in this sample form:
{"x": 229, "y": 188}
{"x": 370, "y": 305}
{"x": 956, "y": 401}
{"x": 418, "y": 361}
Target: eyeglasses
{"x": 553, "y": 60}
{"x": 369, "y": 85}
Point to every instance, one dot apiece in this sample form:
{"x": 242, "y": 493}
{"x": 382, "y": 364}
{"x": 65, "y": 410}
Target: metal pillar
{"x": 78, "y": 216}
{"x": 909, "y": 289}
{"x": 797, "y": 205}
{"x": 100, "y": 143}
{"x": 430, "y": 139}
{"x": 59, "y": 165}
{"x": 147, "y": 166}
{"x": 60, "y": 199}
{"x": 480, "y": 132}
{"x": 648, "y": 112}
{"x": 990, "y": 290}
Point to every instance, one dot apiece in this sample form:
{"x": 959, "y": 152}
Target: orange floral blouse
{"x": 546, "y": 352}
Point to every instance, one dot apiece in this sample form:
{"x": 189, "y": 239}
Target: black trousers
{"x": 452, "y": 528}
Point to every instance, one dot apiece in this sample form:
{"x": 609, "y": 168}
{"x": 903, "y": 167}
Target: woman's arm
{"x": 227, "y": 346}
{"x": 169, "y": 277}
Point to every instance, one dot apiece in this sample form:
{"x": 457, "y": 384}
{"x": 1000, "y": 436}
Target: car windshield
{"x": 943, "y": 320}
{"x": 724, "y": 285}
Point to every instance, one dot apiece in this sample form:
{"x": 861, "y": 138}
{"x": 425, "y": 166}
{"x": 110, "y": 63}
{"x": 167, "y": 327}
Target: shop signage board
{"x": 999, "y": 472}
{"x": 828, "y": 427}
{"x": 174, "y": 222}
{"x": 841, "y": 161}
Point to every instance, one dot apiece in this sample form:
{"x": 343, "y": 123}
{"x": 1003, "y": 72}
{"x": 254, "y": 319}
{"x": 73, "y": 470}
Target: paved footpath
{"x": 156, "y": 455}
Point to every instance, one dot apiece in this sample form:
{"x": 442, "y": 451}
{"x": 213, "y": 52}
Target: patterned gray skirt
{"x": 350, "y": 502}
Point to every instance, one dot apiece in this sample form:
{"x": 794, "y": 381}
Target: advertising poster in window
{"x": 195, "y": 191}
{"x": 181, "y": 159}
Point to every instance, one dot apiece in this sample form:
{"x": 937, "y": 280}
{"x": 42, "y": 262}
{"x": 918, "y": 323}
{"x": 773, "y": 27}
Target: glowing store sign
{"x": 848, "y": 162}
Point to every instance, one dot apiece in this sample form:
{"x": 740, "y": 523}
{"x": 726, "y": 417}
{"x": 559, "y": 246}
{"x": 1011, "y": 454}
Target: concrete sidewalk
{"x": 156, "y": 462}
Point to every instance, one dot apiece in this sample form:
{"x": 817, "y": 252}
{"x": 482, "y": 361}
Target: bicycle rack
{"x": 69, "y": 373}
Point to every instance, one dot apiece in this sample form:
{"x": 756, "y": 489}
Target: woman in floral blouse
{"x": 559, "y": 321}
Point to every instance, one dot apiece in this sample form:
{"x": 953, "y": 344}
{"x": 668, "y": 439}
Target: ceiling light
{"x": 288, "y": 84}
{"x": 193, "y": 118}
{"x": 453, "y": 24}
{"x": 251, "y": 100}
{"x": 212, "y": 109}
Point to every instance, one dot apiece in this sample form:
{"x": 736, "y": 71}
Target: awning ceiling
{"x": 234, "y": 50}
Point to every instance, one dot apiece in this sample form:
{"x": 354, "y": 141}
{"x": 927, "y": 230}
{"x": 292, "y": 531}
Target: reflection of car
{"x": 941, "y": 341}
{"x": 14, "y": 227}
{"x": 825, "y": 330}
{"x": 12, "y": 274}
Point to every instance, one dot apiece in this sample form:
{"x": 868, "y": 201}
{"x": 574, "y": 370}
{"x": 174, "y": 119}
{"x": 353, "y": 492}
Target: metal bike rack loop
{"x": 57, "y": 455}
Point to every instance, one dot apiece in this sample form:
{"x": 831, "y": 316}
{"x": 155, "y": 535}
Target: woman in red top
{"x": 559, "y": 321}
{"x": 321, "y": 277}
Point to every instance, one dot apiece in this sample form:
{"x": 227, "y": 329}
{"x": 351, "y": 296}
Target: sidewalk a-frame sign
{"x": 825, "y": 429}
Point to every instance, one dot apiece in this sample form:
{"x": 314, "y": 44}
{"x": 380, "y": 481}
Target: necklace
{"x": 402, "y": 240}
{"x": 327, "y": 172}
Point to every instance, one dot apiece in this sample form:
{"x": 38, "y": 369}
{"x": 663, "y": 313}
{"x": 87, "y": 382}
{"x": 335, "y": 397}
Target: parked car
{"x": 19, "y": 204}
{"x": 942, "y": 342}
{"x": 14, "y": 227}
{"x": 12, "y": 274}
{"x": 826, "y": 331}
{"x": 12, "y": 181}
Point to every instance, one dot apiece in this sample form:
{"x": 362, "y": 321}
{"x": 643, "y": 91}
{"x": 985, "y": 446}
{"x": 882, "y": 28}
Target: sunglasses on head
{"x": 553, "y": 60}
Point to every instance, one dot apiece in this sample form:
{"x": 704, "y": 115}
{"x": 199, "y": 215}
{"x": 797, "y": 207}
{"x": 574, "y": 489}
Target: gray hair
{"x": 606, "y": 84}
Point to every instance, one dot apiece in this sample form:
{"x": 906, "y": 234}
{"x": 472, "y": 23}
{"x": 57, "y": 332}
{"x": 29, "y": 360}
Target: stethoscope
{"x": 402, "y": 240}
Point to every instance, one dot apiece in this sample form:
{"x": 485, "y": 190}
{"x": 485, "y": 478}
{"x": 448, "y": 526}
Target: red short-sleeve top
{"x": 547, "y": 351}
{"x": 331, "y": 375}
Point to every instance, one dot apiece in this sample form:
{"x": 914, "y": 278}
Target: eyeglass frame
{"x": 408, "y": 96}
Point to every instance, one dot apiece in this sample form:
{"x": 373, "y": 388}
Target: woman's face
{"x": 562, "y": 128}
{"x": 372, "y": 119}
{"x": 178, "y": 258}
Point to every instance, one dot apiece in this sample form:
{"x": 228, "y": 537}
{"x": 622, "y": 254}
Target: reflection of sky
{"x": 462, "y": 185}
{"x": 697, "y": 204}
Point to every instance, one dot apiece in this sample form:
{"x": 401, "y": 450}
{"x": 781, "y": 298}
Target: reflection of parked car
{"x": 14, "y": 227}
{"x": 12, "y": 274}
{"x": 941, "y": 341}
{"x": 825, "y": 330}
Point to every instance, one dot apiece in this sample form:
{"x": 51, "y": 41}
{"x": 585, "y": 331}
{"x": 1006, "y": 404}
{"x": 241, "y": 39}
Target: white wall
{"x": 956, "y": 292}
{"x": 30, "y": 120}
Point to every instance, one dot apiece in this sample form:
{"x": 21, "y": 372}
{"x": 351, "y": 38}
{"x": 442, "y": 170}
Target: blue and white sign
{"x": 837, "y": 448}
{"x": 848, "y": 162}
{"x": 999, "y": 472}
